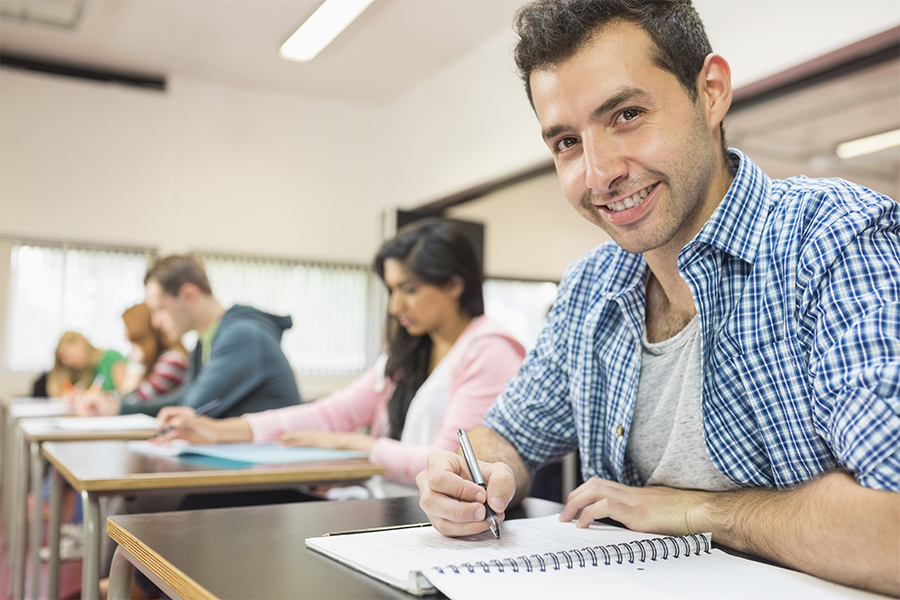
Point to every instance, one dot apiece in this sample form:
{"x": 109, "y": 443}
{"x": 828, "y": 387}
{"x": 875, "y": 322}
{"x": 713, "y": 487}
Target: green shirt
{"x": 105, "y": 367}
{"x": 206, "y": 340}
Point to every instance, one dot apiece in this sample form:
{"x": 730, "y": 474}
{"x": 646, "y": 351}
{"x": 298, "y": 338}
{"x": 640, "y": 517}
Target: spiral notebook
{"x": 543, "y": 558}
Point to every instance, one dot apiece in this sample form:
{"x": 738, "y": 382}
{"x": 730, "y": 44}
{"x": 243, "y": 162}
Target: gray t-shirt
{"x": 666, "y": 444}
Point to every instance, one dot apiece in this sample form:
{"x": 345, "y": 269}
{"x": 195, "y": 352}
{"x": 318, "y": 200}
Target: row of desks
{"x": 99, "y": 468}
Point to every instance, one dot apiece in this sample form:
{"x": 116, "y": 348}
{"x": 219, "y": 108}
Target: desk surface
{"x": 110, "y": 467}
{"x": 45, "y": 430}
{"x": 259, "y": 552}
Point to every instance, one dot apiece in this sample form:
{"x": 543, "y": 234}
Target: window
{"x": 520, "y": 306}
{"x": 53, "y": 289}
{"x": 328, "y": 304}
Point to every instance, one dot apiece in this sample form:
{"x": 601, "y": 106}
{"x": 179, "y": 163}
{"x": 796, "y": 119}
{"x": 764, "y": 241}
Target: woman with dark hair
{"x": 445, "y": 363}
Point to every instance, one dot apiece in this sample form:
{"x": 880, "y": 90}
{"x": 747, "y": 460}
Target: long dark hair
{"x": 435, "y": 252}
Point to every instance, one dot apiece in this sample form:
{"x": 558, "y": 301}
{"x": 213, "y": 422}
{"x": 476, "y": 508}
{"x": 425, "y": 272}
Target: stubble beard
{"x": 683, "y": 198}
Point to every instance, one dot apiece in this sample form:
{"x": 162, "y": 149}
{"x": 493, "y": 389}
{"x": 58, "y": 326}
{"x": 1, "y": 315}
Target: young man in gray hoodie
{"x": 237, "y": 361}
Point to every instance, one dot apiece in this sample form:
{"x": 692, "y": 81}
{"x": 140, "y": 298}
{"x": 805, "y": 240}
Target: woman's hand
{"x": 204, "y": 430}
{"x": 169, "y": 414}
{"x": 196, "y": 430}
{"x": 328, "y": 439}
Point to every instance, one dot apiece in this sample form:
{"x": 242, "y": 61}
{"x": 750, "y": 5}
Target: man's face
{"x": 168, "y": 313}
{"x": 633, "y": 152}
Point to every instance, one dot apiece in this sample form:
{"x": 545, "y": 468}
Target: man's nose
{"x": 604, "y": 163}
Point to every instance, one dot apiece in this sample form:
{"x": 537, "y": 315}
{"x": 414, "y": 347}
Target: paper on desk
{"x": 39, "y": 409}
{"x": 117, "y": 423}
{"x": 249, "y": 452}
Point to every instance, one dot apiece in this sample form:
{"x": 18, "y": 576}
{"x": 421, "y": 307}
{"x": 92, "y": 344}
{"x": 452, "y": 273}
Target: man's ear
{"x": 714, "y": 86}
{"x": 189, "y": 292}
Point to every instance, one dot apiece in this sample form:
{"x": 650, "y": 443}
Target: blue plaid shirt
{"x": 797, "y": 286}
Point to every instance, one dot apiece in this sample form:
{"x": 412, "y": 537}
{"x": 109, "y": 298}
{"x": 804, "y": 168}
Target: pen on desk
{"x": 200, "y": 411}
{"x": 475, "y": 472}
{"x": 372, "y": 529}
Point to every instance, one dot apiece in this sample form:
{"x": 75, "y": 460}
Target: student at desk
{"x": 238, "y": 359}
{"x": 156, "y": 365}
{"x": 445, "y": 364}
{"x": 78, "y": 363}
{"x": 730, "y": 362}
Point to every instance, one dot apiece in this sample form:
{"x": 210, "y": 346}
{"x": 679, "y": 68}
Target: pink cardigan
{"x": 489, "y": 358}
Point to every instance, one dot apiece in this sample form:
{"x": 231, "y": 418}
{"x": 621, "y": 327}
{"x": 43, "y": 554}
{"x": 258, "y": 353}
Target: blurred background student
{"x": 445, "y": 364}
{"x": 156, "y": 365}
{"x": 78, "y": 364}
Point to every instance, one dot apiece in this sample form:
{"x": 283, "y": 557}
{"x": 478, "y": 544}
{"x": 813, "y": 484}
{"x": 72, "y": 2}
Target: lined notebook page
{"x": 392, "y": 554}
{"x": 395, "y": 556}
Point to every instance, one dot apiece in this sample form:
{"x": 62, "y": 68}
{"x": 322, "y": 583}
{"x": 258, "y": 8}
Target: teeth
{"x": 631, "y": 201}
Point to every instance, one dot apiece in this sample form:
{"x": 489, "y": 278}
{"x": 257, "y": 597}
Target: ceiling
{"x": 393, "y": 44}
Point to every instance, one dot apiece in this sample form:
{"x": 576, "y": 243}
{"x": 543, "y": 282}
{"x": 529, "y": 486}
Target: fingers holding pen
{"x": 453, "y": 502}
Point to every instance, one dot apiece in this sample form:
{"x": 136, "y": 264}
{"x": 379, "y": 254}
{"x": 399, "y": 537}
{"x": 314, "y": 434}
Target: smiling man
{"x": 731, "y": 361}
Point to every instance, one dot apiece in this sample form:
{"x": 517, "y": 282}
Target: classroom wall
{"x": 201, "y": 166}
{"x": 531, "y": 230}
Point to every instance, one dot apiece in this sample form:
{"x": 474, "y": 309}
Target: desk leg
{"x": 37, "y": 477}
{"x": 56, "y": 486}
{"x": 90, "y": 566}
{"x": 20, "y": 539}
{"x": 4, "y": 470}
{"x": 120, "y": 576}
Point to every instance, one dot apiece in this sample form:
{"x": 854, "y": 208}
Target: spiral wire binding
{"x": 638, "y": 550}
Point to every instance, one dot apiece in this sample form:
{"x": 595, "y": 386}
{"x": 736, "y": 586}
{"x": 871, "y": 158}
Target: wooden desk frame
{"x": 250, "y": 478}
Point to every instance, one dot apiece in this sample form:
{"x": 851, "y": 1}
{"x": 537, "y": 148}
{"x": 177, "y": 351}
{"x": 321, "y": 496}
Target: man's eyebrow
{"x": 620, "y": 97}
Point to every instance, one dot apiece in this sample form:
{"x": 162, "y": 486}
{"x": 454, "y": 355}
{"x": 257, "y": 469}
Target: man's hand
{"x": 453, "y": 502}
{"x": 328, "y": 439}
{"x": 96, "y": 404}
{"x": 653, "y": 509}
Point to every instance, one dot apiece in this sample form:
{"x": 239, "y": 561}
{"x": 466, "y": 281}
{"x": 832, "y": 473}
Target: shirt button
{"x": 620, "y": 431}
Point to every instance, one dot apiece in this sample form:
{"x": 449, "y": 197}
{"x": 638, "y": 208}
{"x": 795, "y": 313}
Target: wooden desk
{"x": 259, "y": 551}
{"x": 107, "y": 468}
{"x": 33, "y": 433}
{"x": 15, "y": 477}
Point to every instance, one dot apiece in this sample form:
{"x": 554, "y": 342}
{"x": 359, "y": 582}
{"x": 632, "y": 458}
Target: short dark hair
{"x": 551, "y": 31}
{"x": 174, "y": 271}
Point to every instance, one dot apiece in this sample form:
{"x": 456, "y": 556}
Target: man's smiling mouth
{"x": 631, "y": 201}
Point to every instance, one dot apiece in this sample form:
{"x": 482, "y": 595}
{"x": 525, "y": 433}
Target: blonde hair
{"x": 61, "y": 372}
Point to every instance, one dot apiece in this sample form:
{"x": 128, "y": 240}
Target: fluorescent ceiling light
{"x": 323, "y": 26}
{"x": 868, "y": 145}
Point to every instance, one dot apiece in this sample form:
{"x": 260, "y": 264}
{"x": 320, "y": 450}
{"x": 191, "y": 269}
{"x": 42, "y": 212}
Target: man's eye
{"x": 566, "y": 142}
{"x": 629, "y": 114}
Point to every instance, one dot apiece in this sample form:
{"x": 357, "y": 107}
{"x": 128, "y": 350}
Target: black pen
{"x": 475, "y": 472}
{"x": 373, "y": 529}
{"x": 200, "y": 411}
